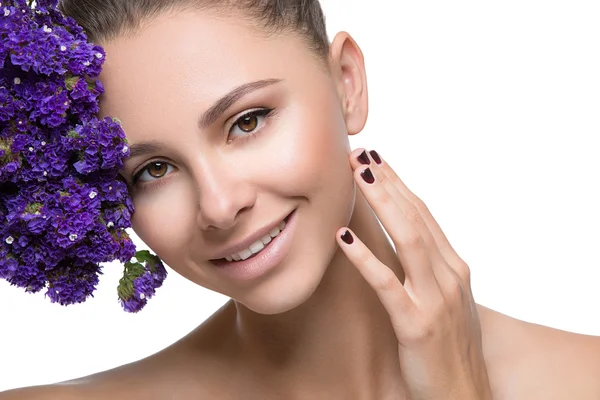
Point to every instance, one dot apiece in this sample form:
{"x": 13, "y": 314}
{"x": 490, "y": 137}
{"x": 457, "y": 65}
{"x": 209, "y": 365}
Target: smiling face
{"x": 231, "y": 131}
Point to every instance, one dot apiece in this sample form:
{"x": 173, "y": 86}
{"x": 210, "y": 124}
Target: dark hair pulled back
{"x": 104, "y": 20}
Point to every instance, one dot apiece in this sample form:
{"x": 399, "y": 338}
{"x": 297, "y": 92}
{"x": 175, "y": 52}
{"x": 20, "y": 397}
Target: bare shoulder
{"x": 125, "y": 382}
{"x": 531, "y": 361}
{"x": 181, "y": 371}
{"x": 87, "y": 389}
{"x": 42, "y": 393}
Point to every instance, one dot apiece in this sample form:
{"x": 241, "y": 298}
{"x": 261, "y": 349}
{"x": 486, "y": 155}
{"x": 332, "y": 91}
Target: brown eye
{"x": 153, "y": 171}
{"x": 248, "y": 123}
{"x": 157, "y": 169}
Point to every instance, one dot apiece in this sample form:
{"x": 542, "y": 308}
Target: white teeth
{"x": 266, "y": 239}
{"x": 279, "y": 228}
{"x": 244, "y": 254}
{"x": 274, "y": 232}
{"x": 257, "y": 246}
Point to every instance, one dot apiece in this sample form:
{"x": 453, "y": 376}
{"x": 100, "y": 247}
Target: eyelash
{"x": 262, "y": 112}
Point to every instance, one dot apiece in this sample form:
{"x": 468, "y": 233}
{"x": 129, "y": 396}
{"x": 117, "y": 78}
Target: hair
{"x": 105, "y": 20}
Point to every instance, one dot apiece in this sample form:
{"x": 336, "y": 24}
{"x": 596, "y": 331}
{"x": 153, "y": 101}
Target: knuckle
{"x": 384, "y": 199}
{"x": 410, "y": 239}
{"x": 420, "y": 333}
{"x": 415, "y": 217}
{"x": 463, "y": 271}
{"x": 427, "y": 323}
{"x": 420, "y": 205}
{"x": 413, "y": 214}
{"x": 386, "y": 281}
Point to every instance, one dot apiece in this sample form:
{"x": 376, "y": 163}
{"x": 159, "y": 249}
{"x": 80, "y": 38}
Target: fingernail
{"x": 364, "y": 158}
{"x": 375, "y": 156}
{"x": 367, "y": 176}
{"x": 347, "y": 237}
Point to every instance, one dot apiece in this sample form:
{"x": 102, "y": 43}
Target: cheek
{"x": 313, "y": 153}
{"x": 164, "y": 216}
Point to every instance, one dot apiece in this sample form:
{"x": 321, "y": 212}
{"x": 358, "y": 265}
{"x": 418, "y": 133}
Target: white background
{"x": 488, "y": 110}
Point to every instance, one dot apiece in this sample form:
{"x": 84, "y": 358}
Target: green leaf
{"x": 71, "y": 81}
{"x": 33, "y": 208}
{"x": 73, "y": 134}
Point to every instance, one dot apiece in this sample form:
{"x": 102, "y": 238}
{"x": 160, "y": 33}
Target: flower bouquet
{"x": 63, "y": 208}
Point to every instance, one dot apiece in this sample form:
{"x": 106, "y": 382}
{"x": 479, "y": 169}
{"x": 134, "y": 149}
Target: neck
{"x": 340, "y": 341}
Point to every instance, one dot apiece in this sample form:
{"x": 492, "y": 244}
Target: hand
{"x": 433, "y": 313}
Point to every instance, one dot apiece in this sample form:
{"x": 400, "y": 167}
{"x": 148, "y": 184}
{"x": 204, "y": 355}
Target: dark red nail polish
{"x": 375, "y": 156}
{"x": 347, "y": 237}
{"x": 367, "y": 176}
{"x": 364, "y": 158}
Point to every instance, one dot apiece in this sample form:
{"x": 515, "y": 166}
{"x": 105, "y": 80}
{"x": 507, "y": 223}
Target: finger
{"x": 381, "y": 278}
{"x": 444, "y": 276}
{"x": 359, "y": 157}
{"x": 413, "y": 214}
{"x": 410, "y": 246}
{"x": 453, "y": 260}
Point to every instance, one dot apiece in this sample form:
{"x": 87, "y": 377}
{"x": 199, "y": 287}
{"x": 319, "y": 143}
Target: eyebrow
{"x": 144, "y": 148}
{"x": 221, "y": 105}
{"x": 209, "y": 116}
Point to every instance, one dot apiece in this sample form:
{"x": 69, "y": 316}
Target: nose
{"x": 223, "y": 196}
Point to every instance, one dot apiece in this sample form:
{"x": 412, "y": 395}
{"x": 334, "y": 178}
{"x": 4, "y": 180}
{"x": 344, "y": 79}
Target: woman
{"x": 238, "y": 123}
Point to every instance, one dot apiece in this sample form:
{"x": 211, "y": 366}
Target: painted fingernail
{"x": 364, "y": 158}
{"x": 367, "y": 176}
{"x": 347, "y": 237}
{"x": 375, "y": 156}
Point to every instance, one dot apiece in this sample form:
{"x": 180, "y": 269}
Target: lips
{"x": 242, "y": 248}
{"x": 248, "y": 271}
{"x": 257, "y": 246}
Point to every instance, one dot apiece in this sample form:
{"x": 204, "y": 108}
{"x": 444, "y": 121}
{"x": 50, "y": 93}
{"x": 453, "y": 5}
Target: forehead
{"x": 193, "y": 57}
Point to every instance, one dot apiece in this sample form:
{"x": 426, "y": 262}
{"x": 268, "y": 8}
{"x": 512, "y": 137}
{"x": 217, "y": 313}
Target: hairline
{"x": 133, "y": 29}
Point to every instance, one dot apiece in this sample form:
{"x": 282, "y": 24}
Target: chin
{"x": 292, "y": 286}
{"x": 300, "y": 275}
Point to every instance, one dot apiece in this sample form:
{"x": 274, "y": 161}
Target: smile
{"x": 263, "y": 255}
{"x": 257, "y": 246}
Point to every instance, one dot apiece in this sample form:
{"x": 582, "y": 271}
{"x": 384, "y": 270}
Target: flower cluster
{"x": 143, "y": 274}
{"x": 63, "y": 208}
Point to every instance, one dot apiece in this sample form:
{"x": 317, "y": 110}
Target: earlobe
{"x": 348, "y": 69}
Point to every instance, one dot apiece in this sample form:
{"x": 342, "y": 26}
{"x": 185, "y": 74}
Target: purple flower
{"x": 72, "y": 282}
{"x": 143, "y": 275}
{"x": 63, "y": 209}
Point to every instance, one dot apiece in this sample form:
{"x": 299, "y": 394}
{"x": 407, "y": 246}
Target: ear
{"x": 347, "y": 66}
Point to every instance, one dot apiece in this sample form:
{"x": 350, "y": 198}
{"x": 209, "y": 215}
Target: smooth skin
{"x": 367, "y": 320}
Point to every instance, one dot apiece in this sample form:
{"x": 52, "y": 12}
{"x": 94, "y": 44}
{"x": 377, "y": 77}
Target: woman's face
{"x": 231, "y": 133}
